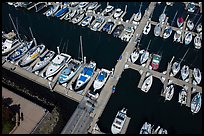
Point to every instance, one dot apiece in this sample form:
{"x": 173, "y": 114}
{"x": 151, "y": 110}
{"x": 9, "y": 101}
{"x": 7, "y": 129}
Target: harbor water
{"x": 105, "y": 50}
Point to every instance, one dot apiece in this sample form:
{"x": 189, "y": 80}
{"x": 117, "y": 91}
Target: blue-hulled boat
{"x": 61, "y": 12}
{"x": 69, "y": 71}
{"x": 20, "y": 51}
{"x": 85, "y": 75}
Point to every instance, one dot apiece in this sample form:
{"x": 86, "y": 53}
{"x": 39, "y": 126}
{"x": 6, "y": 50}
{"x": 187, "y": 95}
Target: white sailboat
{"x": 177, "y": 35}
{"x": 101, "y": 79}
{"x": 199, "y": 28}
{"x": 134, "y": 56}
{"x": 169, "y": 92}
{"x": 185, "y": 72}
{"x": 147, "y": 84}
{"x": 147, "y": 27}
{"x": 118, "y": 13}
{"x": 162, "y": 17}
{"x": 183, "y": 96}
{"x": 197, "y": 75}
{"x": 145, "y": 55}
{"x": 138, "y": 15}
{"x": 188, "y": 38}
{"x": 197, "y": 42}
{"x": 190, "y": 24}
{"x": 119, "y": 121}
{"x": 157, "y": 29}
{"x": 196, "y": 103}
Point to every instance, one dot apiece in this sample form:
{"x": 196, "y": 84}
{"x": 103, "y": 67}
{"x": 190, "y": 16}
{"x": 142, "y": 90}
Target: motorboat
{"x": 86, "y": 21}
{"x": 197, "y": 42}
{"x": 128, "y": 33}
{"x": 92, "y": 5}
{"x": 199, "y": 28}
{"x": 175, "y": 68}
{"x": 183, "y": 96}
{"x": 85, "y": 75}
{"x": 134, "y": 56}
{"x": 118, "y": 30}
{"x": 57, "y": 64}
{"x": 138, "y": 16}
{"x": 190, "y": 7}
{"x": 157, "y": 29}
{"x": 146, "y": 128}
{"x": 169, "y": 92}
{"x": 177, "y": 35}
{"x": 155, "y": 61}
{"x": 180, "y": 21}
{"x": 119, "y": 121}
{"x": 185, "y": 72}
{"x": 72, "y": 14}
{"x": 101, "y": 79}
{"x": 73, "y": 4}
{"x": 147, "y": 28}
{"x": 167, "y": 32}
{"x": 162, "y": 131}
{"x": 32, "y": 54}
{"x": 107, "y": 10}
{"x": 118, "y": 13}
{"x": 190, "y": 24}
{"x": 147, "y": 84}
{"x": 197, "y": 75}
{"x": 44, "y": 60}
{"x": 61, "y": 12}
{"x": 99, "y": 21}
{"x": 9, "y": 45}
{"x": 52, "y": 10}
{"x": 196, "y": 103}
{"x": 144, "y": 57}
{"x": 70, "y": 70}
{"x": 93, "y": 95}
{"x": 78, "y": 18}
{"x": 188, "y": 38}
{"x": 20, "y": 51}
{"x": 83, "y": 4}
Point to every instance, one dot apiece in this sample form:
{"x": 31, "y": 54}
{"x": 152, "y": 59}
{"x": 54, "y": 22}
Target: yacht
{"x": 83, "y": 4}
{"x": 56, "y": 64}
{"x": 32, "y": 54}
{"x": 134, "y": 56}
{"x": 119, "y": 121}
{"x": 188, "y": 38}
{"x": 196, "y": 103}
{"x": 155, "y": 61}
{"x": 20, "y": 51}
{"x": 197, "y": 75}
{"x": 157, "y": 29}
{"x": 101, "y": 79}
{"x": 86, "y": 21}
{"x": 44, "y": 60}
{"x": 197, "y": 42}
{"x": 175, "y": 68}
{"x": 180, "y": 21}
{"x": 9, "y": 45}
{"x": 177, "y": 35}
{"x": 199, "y": 28}
{"x": 184, "y": 72}
{"x": 183, "y": 96}
{"x": 146, "y": 128}
{"x": 92, "y": 5}
{"x": 85, "y": 75}
{"x": 52, "y": 10}
{"x": 147, "y": 28}
{"x": 118, "y": 13}
{"x": 169, "y": 92}
{"x": 147, "y": 84}
{"x": 190, "y": 24}
{"x": 70, "y": 70}
{"x": 167, "y": 32}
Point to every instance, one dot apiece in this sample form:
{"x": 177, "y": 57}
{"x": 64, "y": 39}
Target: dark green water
{"x": 105, "y": 50}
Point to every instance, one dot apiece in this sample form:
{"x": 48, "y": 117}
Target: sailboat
{"x": 185, "y": 72}
{"x": 144, "y": 57}
{"x": 162, "y": 17}
{"x": 190, "y": 24}
{"x": 157, "y": 29}
{"x": 168, "y": 30}
{"x": 119, "y": 121}
{"x": 177, "y": 35}
{"x": 118, "y": 13}
{"x": 138, "y": 15}
{"x": 197, "y": 42}
{"x": 101, "y": 79}
{"x": 197, "y": 75}
{"x": 180, "y": 21}
{"x": 134, "y": 56}
{"x": 92, "y": 5}
{"x": 183, "y": 96}
{"x": 196, "y": 103}
{"x": 188, "y": 38}
{"x": 147, "y": 84}
{"x": 169, "y": 92}
{"x": 147, "y": 27}
{"x": 176, "y": 65}
{"x": 199, "y": 28}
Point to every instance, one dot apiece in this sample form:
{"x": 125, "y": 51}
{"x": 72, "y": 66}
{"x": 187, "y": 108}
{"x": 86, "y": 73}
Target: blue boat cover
{"x": 82, "y": 78}
{"x": 101, "y": 76}
{"x": 89, "y": 71}
{"x": 66, "y": 71}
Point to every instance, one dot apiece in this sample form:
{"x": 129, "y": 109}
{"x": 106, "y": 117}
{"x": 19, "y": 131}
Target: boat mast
{"x": 81, "y": 49}
{"x": 184, "y": 56}
{"x": 32, "y": 36}
{"x": 174, "y": 17}
{"x": 148, "y": 45}
{"x": 164, "y": 9}
{"x": 140, "y": 7}
{"x": 15, "y": 27}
